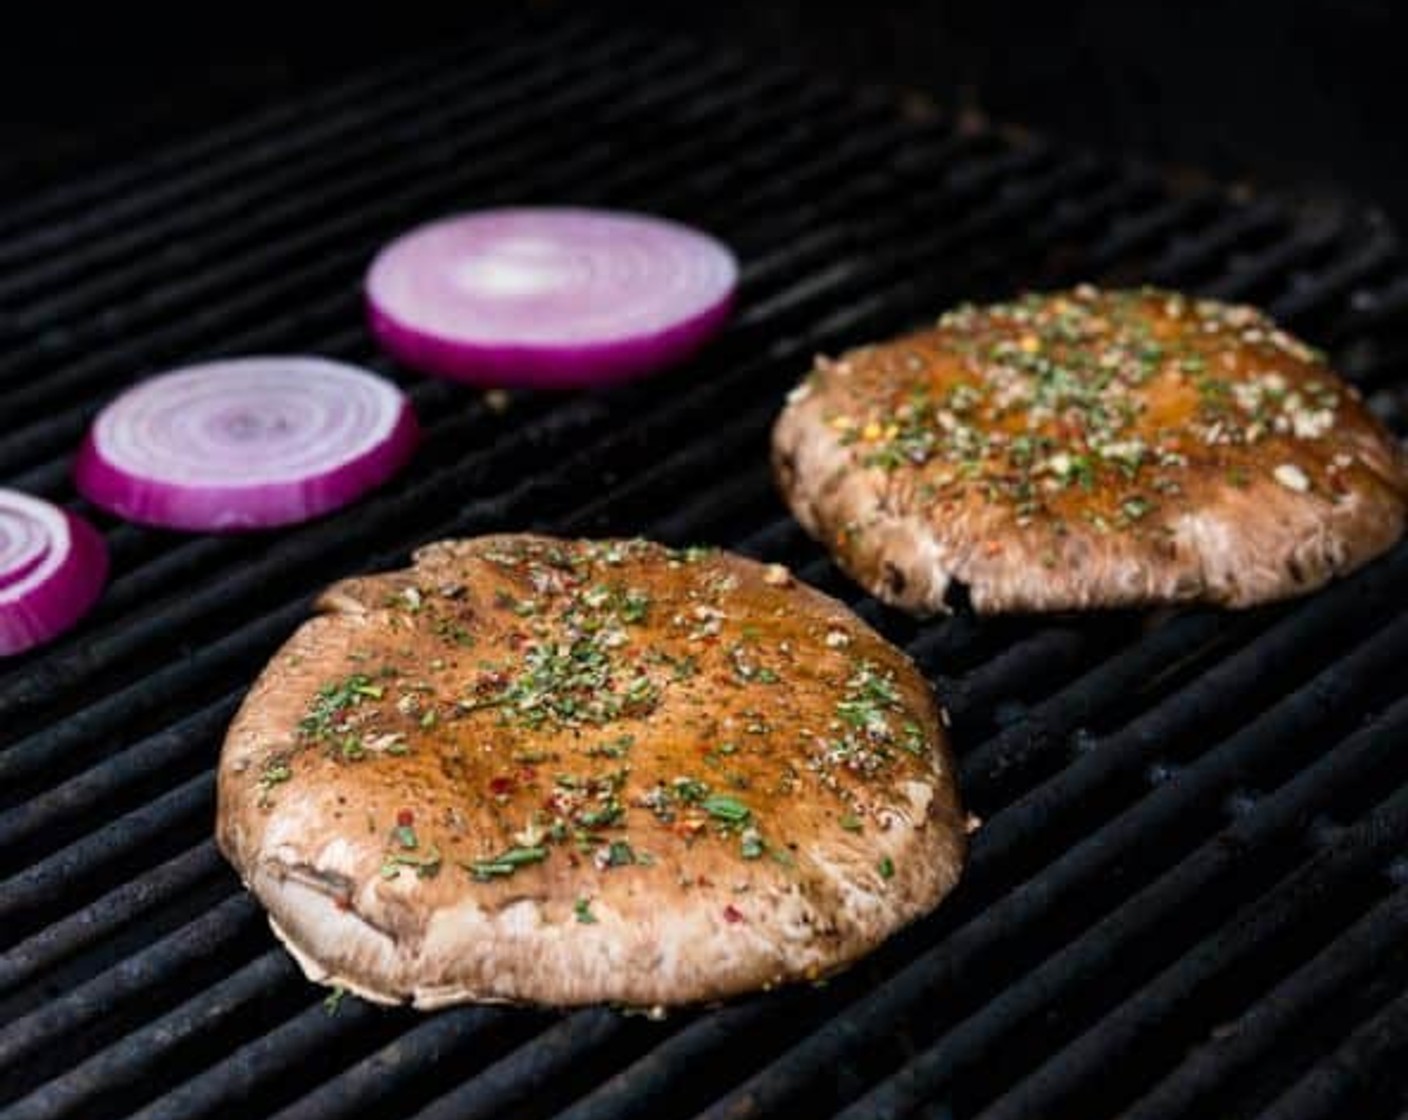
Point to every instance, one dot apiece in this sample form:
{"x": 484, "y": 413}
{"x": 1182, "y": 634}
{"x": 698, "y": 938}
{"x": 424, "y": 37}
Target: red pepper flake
{"x": 732, "y": 914}
{"x": 501, "y": 786}
{"x": 343, "y": 901}
{"x": 405, "y": 818}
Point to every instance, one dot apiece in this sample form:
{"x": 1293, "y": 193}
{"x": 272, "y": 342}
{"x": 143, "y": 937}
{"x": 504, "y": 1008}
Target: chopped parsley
{"x": 426, "y": 866}
{"x": 505, "y": 863}
{"x": 725, "y": 808}
{"x": 327, "y": 715}
{"x": 276, "y": 771}
{"x": 619, "y": 854}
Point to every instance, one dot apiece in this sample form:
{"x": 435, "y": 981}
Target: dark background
{"x": 1303, "y": 95}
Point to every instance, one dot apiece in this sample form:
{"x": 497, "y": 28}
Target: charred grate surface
{"x": 1189, "y": 896}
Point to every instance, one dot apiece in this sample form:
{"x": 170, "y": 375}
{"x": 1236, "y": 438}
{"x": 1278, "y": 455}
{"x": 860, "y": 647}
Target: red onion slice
{"x": 549, "y": 298}
{"x": 52, "y": 569}
{"x": 246, "y": 443}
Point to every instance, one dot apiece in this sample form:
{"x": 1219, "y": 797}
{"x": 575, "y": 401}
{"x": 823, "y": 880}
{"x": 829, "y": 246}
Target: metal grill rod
{"x": 1329, "y": 1088}
{"x": 102, "y": 917}
{"x": 128, "y": 1062}
{"x": 1226, "y": 1059}
{"x": 1277, "y": 915}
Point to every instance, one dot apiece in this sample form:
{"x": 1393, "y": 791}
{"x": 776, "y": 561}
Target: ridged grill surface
{"x": 1189, "y": 894}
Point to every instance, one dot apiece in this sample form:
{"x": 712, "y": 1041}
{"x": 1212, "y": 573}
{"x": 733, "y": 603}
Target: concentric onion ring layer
{"x": 247, "y": 421}
{"x": 550, "y": 276}
{"x": 30, "y": 533}
{"x": 24, "y": 543}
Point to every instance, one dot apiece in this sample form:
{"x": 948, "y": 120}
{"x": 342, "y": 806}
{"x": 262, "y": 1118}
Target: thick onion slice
{"x": 549, "y": 298}
{"x": 245, "y": 443}
{"x": 52, "y": 569}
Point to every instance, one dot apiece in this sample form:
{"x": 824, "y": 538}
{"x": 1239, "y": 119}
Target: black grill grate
{"x": 1189, "y": 896}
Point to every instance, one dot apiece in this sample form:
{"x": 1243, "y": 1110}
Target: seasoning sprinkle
{"x": 1061, "y": 393}
{"x": 1292, "y": 477}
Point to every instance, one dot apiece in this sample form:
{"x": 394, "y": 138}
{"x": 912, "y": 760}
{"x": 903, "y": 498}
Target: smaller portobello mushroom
{"x": 1090, "y": 449}
{"x": 565, "y": 772}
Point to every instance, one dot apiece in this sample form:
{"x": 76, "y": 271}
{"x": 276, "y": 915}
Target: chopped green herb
{"x": 850, "y": 822}
{"x": 326, "y": 717}
{"x": 583, "y": 909}
{"x": 1136, "y": 508}
{"x": 452, "y": 631}
{"x": 600, "y": 818}
{"x": 506, "y": 863}
{"x": 886, "y": 868}
{"x": 612, "y": 748}
{"x": 690, "y": 790}
{"x": 725, "y": 808}
{"x": 426, "y": 866}
{"x": 635, "y": 605}
{"x": 276, "y": 771}
{"x": 619, "y": 854}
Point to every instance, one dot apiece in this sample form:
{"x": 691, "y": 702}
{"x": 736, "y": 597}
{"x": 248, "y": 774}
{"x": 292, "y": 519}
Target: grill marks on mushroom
{"x": 1089, "y": 448}
{"x": 569, "y": 771}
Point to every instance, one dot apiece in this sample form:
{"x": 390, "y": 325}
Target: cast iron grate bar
{"x": 1129, "y": 769}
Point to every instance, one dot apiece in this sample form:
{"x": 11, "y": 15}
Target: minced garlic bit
{"x": 1291, "y": 477}
{"x": 775, "y": 575}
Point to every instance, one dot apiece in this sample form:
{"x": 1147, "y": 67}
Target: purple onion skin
{"x": 61, "y": 603}
{"x": 235, "y": 509}
{"x": 546, "y": 366}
